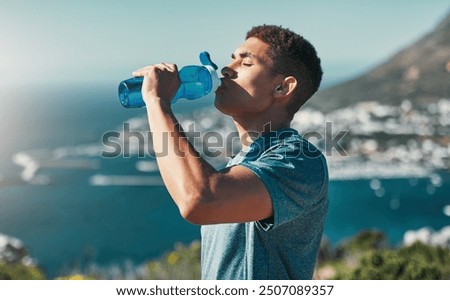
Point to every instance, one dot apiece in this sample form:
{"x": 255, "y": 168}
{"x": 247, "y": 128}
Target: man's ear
{"x": 286, "y": 89}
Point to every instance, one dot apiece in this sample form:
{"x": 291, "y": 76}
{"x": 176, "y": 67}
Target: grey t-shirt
{"x": 284, "y": 246}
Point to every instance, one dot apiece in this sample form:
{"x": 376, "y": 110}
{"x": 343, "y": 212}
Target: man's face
{"x": 248, "y": 82}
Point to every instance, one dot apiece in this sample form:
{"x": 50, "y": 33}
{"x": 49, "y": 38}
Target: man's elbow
{"x": 196, "y": 212}
{"x": 196, "y": 203}
{"x": 192, "y": 217}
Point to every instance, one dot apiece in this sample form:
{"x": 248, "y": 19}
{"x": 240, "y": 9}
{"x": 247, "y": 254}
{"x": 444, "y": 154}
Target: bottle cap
{"x": 206, "y": 61}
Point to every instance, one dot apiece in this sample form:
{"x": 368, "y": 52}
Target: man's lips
{"x": 221, "y": 87}
{"x": 223, "y": 84}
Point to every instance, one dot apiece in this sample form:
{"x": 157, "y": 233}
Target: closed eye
{"x": 245, "y": 56}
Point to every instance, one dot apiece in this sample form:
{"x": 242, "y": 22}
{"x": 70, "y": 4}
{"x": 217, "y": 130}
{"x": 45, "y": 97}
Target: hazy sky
{"x": 43, "y": 40}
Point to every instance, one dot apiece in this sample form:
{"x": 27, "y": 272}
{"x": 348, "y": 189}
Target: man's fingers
{"x": 170, "y": 67}
{"x": 143, "y": 71}
{"x": 155, "y": 68}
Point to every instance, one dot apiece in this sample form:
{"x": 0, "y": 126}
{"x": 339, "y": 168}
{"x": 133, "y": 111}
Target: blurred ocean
{"x": 72, "y": 208}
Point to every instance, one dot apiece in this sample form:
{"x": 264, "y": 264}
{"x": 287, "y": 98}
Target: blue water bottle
{"x": 196, "y": 82}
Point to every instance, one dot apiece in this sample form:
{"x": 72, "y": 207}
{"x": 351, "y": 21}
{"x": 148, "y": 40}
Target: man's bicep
{"x": 238, "y": 196}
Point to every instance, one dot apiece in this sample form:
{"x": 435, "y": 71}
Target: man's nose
{"x": 228, "y": 72}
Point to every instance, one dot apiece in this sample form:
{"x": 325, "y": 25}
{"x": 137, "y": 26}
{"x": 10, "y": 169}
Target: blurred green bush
{"x": 365, "y": 256}
{"x": 181, "y": 263}
{"x": 19, "y": 271}
{"x": 368, "y": 256}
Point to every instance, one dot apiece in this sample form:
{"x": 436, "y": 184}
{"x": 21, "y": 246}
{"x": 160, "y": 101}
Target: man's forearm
{"x": 185, "y": 174}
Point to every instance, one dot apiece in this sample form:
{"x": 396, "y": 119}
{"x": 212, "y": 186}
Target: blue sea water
{"x": 71, "y": 217}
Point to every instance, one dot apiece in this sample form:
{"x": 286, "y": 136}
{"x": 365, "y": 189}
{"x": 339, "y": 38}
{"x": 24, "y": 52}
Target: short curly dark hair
{"x": 293, "y": 56}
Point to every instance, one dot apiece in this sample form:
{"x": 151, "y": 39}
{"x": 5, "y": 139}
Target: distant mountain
{"x": 420, "y": 73}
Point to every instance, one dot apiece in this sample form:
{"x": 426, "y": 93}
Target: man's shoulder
{"x": 289, "y": 144}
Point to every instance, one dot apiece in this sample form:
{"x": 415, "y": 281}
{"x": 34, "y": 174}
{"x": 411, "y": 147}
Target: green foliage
{"x": 18, "y": 271}
{"x": 366, "y": 256}
{"x": 182, "y": 263}
{"x": 418, "y": 261}
{"x": 364, "y": 241}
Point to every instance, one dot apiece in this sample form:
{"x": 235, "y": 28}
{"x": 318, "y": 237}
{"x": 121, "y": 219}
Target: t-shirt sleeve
{"x": 295, "y": 180}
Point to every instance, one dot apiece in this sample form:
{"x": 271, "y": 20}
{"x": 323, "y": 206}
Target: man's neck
{"x": 251, "y": 130}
